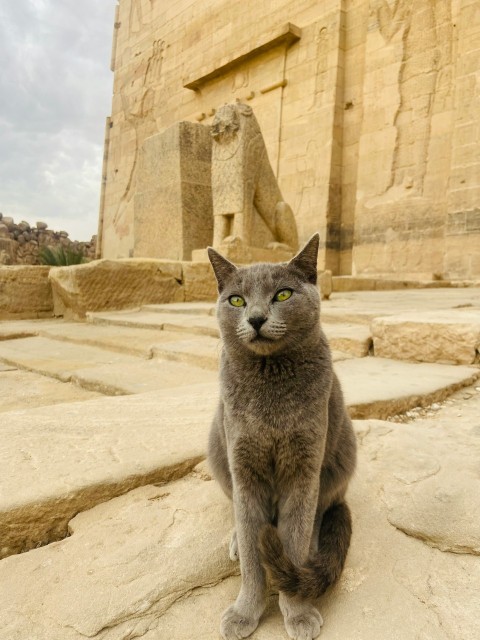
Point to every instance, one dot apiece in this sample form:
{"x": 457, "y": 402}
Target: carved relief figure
{"x": 139, "y": 114}
{"x": 140, "y": 14}
{"x": 243, "y": 183}
{"x": 425, "y": 52}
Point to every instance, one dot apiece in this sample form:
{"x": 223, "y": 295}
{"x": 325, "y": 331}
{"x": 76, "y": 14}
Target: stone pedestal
{"x": 173, "y": 200}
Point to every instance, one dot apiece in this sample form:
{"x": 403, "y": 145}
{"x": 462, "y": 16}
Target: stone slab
{"x": 114, "y": 284}
{"x": 124, "y": 339}
{"x": 356, "y": 283}
{"x": 379, "y": 388}
{"x": 149, "y": 375}
{"x": 353, "y": 339}
{"x": 204, "y": 325}
{"x": 201, "y": 351}
{"x": 373, "y": 387}
{"x": 26, "y": 390}
{"x": 125, "y": 563}
{"x": 451, "y": 336}
{"x": 154, "y": 563}
{"x": 133, "y": 341}
{"x": 195, "y": 308}
{"x": 364, "y": 306}
{"x": 55, "y": 358}
{"x": 59, "y": 460}
{"x": 13, "y": 329}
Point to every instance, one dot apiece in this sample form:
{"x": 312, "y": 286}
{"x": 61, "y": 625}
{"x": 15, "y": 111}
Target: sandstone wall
{"x": 371, "y": 118}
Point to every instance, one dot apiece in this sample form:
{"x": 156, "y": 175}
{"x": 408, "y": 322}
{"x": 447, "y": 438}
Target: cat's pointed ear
{"x": 306, "y": 260}
{"x": 222, "y": 267}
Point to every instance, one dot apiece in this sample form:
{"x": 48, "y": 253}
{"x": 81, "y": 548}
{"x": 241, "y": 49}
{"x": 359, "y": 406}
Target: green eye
{"x": 236, "y": 301}
{"x": 283, "y": 295}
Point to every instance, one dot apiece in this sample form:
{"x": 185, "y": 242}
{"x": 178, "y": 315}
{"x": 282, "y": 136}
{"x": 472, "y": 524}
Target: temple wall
{"x": 371, "y": 118}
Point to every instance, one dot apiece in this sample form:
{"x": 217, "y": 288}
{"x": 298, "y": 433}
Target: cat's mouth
{"x": 261, "y": 339}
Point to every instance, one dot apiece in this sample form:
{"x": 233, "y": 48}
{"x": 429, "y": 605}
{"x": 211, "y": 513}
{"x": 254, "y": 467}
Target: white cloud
{"x": 56, "y": 92}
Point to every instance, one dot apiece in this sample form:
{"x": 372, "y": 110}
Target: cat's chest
{"x": 271, "y": 401}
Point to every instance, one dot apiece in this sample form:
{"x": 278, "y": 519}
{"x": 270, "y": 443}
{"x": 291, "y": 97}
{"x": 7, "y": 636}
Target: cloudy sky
{"x": 55, "y": 93}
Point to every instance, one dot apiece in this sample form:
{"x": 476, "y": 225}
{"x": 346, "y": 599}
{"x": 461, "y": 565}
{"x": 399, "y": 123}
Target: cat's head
{"x": 268, "y": 308}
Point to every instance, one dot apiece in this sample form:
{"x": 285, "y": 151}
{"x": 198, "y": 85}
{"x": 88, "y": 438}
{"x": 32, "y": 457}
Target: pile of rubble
{"x": 21, "y": 243}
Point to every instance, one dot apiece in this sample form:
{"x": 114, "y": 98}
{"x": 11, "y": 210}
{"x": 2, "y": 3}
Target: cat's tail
{"x": 311, "y": 580}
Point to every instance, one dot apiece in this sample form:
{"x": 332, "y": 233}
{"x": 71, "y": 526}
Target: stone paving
{"x": 133, "y": 534}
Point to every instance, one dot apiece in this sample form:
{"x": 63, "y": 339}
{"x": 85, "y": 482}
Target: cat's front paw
{"x": 305, "y": 625}
{"x": 236, "y": 625}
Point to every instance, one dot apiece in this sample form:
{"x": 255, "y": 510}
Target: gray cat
{"x": 281, "y": 444}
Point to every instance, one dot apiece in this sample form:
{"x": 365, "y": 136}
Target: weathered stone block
{"x": 25, "y": 292}
{"x": 115, "y": 284}
{"x": 451, "y": 336}
{"x": 173, "y": 204}
{"x": 199, "y": 282}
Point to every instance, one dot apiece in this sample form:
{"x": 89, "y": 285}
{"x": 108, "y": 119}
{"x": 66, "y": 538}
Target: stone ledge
{"x": 343, "y": 284}
{"x": 287, "y": 34}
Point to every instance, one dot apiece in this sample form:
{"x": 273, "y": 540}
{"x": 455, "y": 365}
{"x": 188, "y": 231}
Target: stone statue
{"x": 244, "y": 188}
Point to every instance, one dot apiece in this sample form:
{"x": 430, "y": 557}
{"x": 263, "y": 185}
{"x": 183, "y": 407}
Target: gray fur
{"x": 281, "y": 444}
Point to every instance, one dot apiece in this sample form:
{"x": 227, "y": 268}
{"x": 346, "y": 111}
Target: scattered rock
{"x": 25, "y": 240}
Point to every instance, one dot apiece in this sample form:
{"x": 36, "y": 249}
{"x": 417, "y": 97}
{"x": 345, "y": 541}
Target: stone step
{"x": 165, "y": 541}
{"x": 451, "y": 335}
{"x": 144, "y": 319}
{"x": 55, "y": 358}
{"x": 201, "y": 351}
{"x": 67, "y": 458}
{"x": 132, "y": 341}
{"x": 350, "y": 338}
{"x": 193, "y": 308}
{"x": 153, "y": 563}
{"x": 25, "y": 390}
{"x": 97, "y": 369}
{"x": 380, "y": 388}
{"x": 59, "y": 460}
{"x": 142, "y": 376}
{"x": 144, "y": 343}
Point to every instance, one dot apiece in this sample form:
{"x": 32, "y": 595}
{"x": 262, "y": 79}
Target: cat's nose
{"x": 256, "y": 322}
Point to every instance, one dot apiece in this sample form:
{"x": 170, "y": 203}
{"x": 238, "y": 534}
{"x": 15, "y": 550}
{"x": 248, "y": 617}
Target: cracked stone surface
{"x": 62, "y": 459}
{"x": 154, "y": 562}
{"x": 434, "y": 493}
{"x": 125, "y": 563}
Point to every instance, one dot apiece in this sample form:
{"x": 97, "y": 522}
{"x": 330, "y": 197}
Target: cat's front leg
{"x": 242, "y": 617}
{"x": 295, "y": 527}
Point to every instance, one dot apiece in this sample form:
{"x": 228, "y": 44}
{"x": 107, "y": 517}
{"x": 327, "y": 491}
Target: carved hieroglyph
{"x": 244, "y": 185}
{"x": 419, "y": 22}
